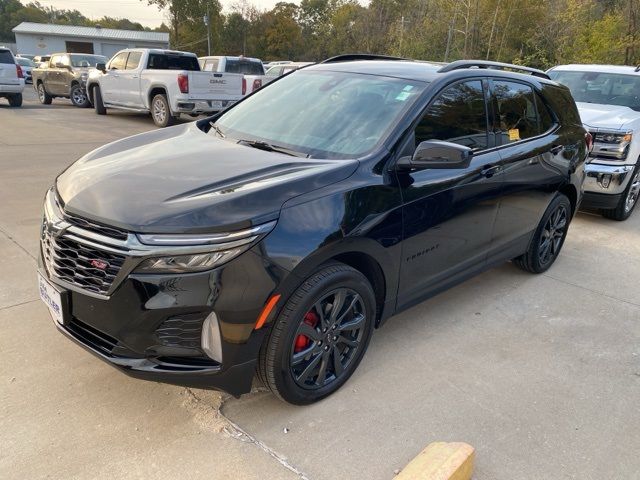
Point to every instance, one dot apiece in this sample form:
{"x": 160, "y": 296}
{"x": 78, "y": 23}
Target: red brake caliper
{"x": 302, "y": 341}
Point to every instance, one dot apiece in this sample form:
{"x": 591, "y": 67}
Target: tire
{"x": 344, "y": 332}
{"x": 79, "y": 97}
{"x": 555, "y": 223}
{"x": 161, "y": 112}
{"x": 97, "y": 101}
{"x": 15, "y": 100}
{"x": 43, "y": 96}
{"x": 628, "y": 200}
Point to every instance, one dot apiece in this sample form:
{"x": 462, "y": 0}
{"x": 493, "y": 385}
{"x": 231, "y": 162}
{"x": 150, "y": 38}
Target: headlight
{"x": 613, "y": 145}
{"x": 188, "y": 263}
{"x": 197, "y": 252}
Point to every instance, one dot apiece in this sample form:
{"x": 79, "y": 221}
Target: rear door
{"x": 448, "y": 214}
{"x": 530, "y": 152}
{"x": 8, "y": 71}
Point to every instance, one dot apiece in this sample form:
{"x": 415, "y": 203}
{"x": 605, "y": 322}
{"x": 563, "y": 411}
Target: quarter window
{"x": 458, "y": 115}
{"x": 546, "y": 121}
{"x": 515, "y": 108}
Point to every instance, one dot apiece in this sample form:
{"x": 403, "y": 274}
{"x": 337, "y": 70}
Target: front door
{"x": 448, "y": 214}
{"x": 110, "y": 81}
{"x": 129, "y": 81}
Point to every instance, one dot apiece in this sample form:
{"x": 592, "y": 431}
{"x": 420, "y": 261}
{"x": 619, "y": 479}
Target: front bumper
{"x": 607, "y": 179}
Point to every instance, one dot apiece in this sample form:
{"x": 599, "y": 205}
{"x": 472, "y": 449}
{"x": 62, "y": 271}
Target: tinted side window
{"x": 546, "y": 120}
{"x": 119, "y": 61}
{"x": 5, "y": 56}
{"x": 133, "y": 60}
{"x": 458, "y": 115}
{"x": 516, "y": 112}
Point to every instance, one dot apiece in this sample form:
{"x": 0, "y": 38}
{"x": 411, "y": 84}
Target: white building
{"x": 44, "y": 39}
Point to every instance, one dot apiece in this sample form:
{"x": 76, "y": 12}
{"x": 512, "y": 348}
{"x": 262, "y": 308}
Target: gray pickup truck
{"x": 65, "y": 75}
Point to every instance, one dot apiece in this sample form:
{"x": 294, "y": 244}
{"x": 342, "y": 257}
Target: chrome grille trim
{"x": 67, "y": 250}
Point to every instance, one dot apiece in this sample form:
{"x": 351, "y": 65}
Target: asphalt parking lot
{"x": 541, "y": 374}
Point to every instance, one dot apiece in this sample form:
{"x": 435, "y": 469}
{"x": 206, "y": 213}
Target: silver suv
{"x": 11, "y": 78}
{"x": 608, "y": 99}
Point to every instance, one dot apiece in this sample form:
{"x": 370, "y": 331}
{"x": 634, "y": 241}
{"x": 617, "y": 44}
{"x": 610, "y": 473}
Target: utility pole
{"x": 206, "y": 22}
{"x": 402, "y": 22}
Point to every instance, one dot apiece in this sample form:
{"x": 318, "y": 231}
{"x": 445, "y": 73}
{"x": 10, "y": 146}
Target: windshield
{"x": 24, "y": 62}
{"x": 87, "y": 60}
{"x": 603, "y": 88}
{"x": 322, "y": 114}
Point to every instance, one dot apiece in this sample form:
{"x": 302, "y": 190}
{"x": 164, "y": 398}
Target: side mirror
{"x": 437, "y": 154}
{"x": 60, "y": 65}
{"x": 102, "y": 67}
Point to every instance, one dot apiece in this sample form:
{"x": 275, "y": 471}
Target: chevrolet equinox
{"x": 276, "y": 236}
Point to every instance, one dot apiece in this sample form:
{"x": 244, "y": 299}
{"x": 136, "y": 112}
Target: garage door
{"x": 110, "y": 49}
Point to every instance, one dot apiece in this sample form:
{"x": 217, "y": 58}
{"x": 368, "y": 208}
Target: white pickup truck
{"x": 165, "y": 83}
{"x": 250, "y": 69}
{"x": 608, "y": 99}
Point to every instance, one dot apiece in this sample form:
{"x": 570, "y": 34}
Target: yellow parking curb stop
{"x": 441, "y": 461}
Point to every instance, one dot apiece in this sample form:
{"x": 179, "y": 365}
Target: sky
{"x": 134, "y": 10}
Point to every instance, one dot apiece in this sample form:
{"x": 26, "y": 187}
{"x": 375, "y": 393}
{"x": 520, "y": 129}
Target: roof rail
{"x": 637, "y": 69}
{"x": 349, "y": 57}
{"x": 460, "y": 64}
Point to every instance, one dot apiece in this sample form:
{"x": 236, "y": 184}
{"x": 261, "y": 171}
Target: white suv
{"x": 11, "y": 78}
{"x": 608, "y": 99}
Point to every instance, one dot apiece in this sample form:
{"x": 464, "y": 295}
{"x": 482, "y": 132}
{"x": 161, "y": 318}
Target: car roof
{"x": 425, "y": 71}
{"x": 580, "y": 67}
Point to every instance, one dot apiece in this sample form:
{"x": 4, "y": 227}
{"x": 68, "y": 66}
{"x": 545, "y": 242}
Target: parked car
{"x": 41, "y": 59}
{"x": 251, "y": 69}
{"x": 268, "y": 65}
{"x": 27, "y": 66}
{"x": 65, "y": 75}
{"x": 199, "y": 254}
{"x": 282, "y": 69}
{"x": 608, "y": 98}
{"x": 165, "y": 83}
{"x": 11, "y": 78}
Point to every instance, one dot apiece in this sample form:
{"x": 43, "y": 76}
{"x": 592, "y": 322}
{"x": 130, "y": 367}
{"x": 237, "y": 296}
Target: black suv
{"x": 276, "y": 236}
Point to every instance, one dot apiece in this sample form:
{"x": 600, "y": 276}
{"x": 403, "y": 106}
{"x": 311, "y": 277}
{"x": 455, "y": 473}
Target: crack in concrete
{"x": 238, "y": 433}
{"x": 19, "y": 304}
{"x": 628, "y": 302}
{"x": 14, "y": 241}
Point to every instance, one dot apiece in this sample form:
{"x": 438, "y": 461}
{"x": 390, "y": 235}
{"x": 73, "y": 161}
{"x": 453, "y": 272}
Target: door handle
{"x": 490, "y": 171}
{"x": 556, "y": 149}
{"x": 135, "y": 76}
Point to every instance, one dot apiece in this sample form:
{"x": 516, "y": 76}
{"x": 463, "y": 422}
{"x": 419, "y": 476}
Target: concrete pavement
{"x": 541, "y": 374}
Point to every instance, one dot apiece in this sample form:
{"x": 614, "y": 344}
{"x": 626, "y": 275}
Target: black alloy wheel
{"x": 327, "y": 339}
{"x": 548, "y": 238}
{"x": 553, "y": 235}
{"x": 320, "y": 335}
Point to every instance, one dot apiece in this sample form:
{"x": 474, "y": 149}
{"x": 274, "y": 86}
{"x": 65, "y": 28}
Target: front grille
{"x": 95, "y": 227}
{"x": 80, "y": 264}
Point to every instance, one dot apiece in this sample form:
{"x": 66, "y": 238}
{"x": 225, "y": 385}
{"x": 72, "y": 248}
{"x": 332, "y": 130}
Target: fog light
{"x": 211, "y": 342}
{"x": 605, "y": 180}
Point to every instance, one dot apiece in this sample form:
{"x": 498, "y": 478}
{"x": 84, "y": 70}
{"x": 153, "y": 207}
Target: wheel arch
{"x": 569, "y": 190}
{"x": 157, "y": 90}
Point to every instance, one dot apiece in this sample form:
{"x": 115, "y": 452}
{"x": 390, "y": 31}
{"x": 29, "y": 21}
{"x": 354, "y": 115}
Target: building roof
{"x": 91, "y": 32}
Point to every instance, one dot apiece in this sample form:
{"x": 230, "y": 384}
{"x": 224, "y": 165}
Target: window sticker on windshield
{"x": 408, "y": 88}
{"x": 514, "y": 134}
{"x": 402, "y": 96}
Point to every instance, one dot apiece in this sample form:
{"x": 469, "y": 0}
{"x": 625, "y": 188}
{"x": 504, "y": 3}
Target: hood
{"x": 595, "y": 115}
{"x": 181, "y": 179}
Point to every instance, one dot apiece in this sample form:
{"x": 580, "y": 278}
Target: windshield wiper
{"x": 269, "y": 147}
{"x": 217, "y": 129}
